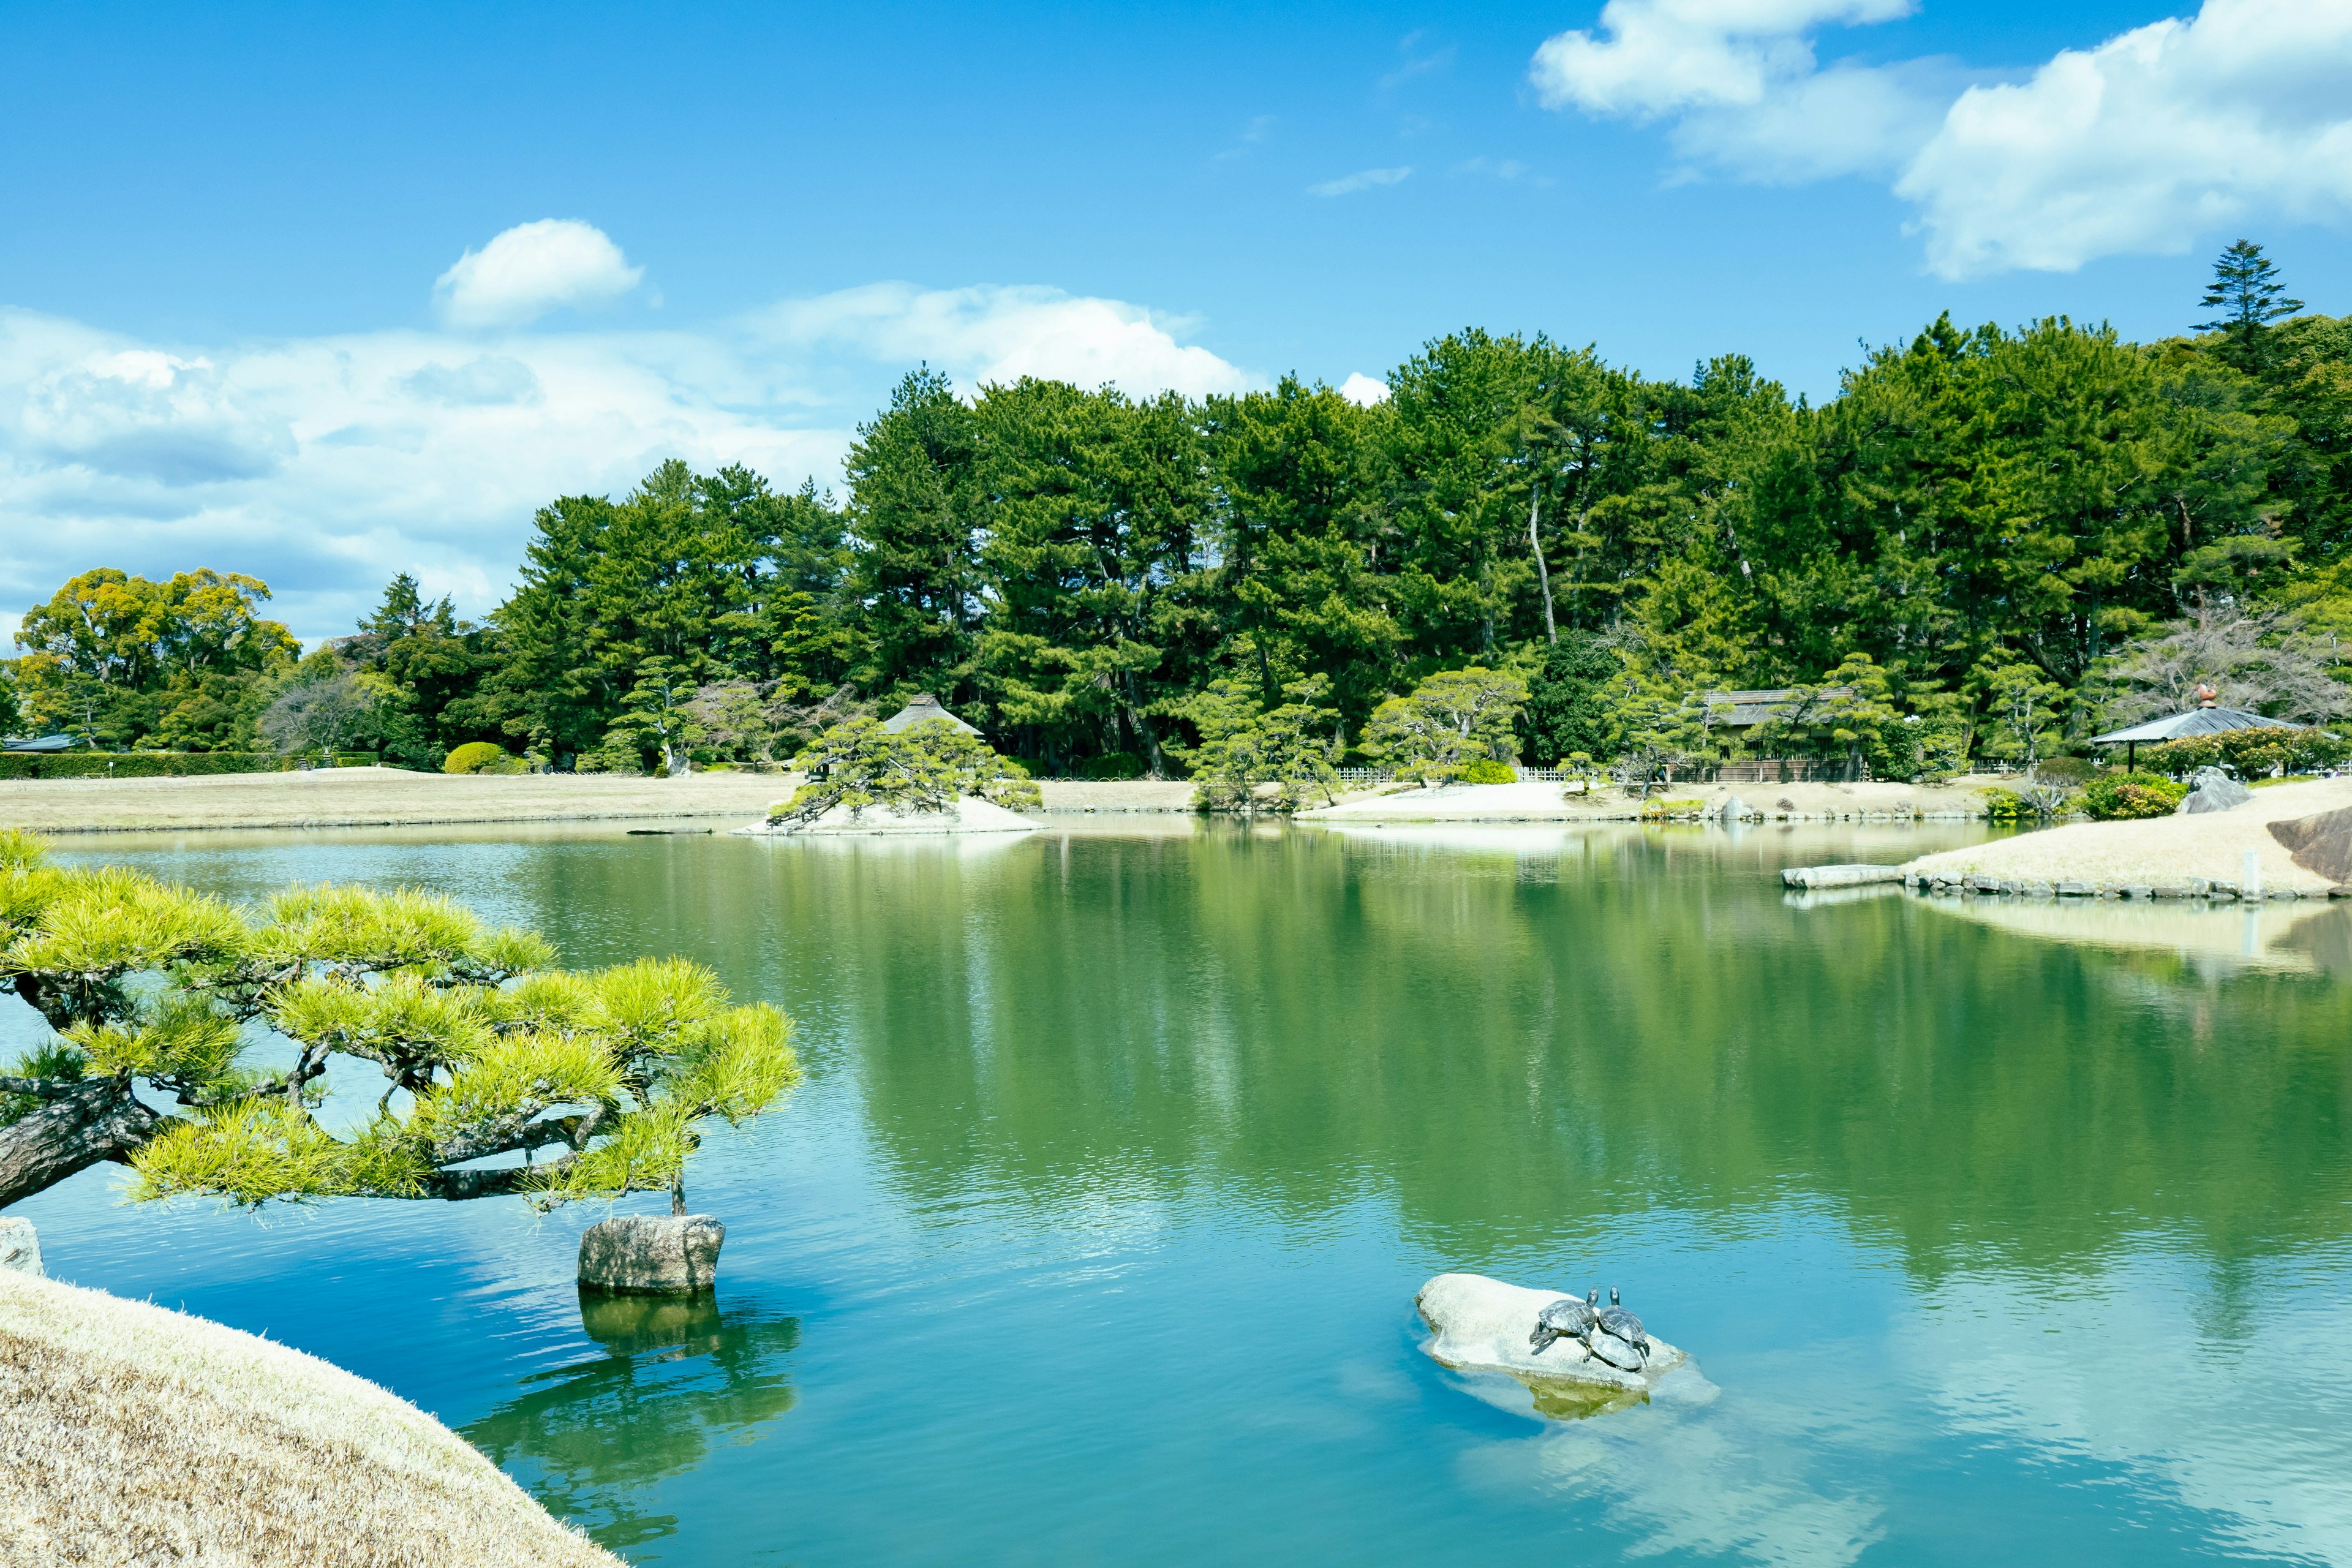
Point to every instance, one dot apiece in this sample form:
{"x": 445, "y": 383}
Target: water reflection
{"x": 678, "y": 1377}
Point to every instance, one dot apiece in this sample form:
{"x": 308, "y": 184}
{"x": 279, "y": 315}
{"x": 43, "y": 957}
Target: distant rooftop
{"x": 2196, "y": 721}
{"x": 925, "y": 706}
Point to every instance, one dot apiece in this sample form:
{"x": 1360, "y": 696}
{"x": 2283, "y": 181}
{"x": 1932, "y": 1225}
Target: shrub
{"x": 1487, "y": 771}
{"x": 133, "y": 765}
{"x": 2252, "y": 752}
{"x": 476, "y": 757}
{"x": 1112, "y": 765}
{"x": 2007, "y": 806}
{"x": 2071, "y": 771}
{"x": 2121, "y": 796}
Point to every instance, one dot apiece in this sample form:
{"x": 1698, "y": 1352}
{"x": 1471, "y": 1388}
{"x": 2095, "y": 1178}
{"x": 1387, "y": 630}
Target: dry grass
{"x": 2158, "y": 851}
{"x": 131, "y": 1435}
{"x": 378, "y": 797}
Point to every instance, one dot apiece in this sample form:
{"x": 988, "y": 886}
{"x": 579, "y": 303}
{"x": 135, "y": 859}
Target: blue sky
{"x": 323, "y": 295}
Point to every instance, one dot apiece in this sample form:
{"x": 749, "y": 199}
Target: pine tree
{"x": 2246, "y": 296}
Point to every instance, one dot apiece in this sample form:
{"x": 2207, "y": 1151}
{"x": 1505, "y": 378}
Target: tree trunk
{"x": 1543, "y": 573}
{"x": 99, "y": 1119}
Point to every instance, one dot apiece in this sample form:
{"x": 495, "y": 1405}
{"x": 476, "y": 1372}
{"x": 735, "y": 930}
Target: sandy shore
{"x": 384, "y": 797}
{"x": 2159, "y": 852}
{"x": 1962, "y": 798}
{"x": 135, "y": 1435}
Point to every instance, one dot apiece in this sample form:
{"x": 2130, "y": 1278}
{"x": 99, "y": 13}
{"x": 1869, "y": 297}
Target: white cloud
{"x": 986, "y": 335}
{"x": 325, "y": 465}
{"x": 530, "y": 269}
{"x": 1663, "y": 54}
{"x": 2148, "y": 143}
{"x": 1363, "y": 391}
{"x": 2168, "y": 133}
{"x": 1362, "y": 180}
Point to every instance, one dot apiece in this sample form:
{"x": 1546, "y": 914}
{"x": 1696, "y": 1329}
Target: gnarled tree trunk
{"x": 99, "y": 1119}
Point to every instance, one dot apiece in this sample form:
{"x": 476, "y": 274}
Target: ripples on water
{"x": 1093, "y": 1234}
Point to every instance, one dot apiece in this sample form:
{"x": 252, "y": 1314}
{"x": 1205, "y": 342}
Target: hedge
{"x": 133, "y": 765}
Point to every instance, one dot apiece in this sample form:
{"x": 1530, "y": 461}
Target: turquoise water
{"x": 1093, "y": 1234}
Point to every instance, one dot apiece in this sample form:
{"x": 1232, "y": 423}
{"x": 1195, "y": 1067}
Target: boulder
{"x": 1479, "y": 1324}
{"x": 2210, "y": 789}
{"x": 20, "y": 1249}
{"x": 1839, "y": 876}
{"x": 2322, "y": 844}
{"x": 652, "y": 1255}
{"x": 1735, "y": 810}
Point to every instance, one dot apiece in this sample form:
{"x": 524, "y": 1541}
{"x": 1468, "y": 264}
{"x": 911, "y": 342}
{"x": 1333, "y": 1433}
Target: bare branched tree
{"x": 2260, "y": 661}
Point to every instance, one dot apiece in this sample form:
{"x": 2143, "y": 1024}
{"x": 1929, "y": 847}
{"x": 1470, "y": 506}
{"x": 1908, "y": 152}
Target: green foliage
{"x": 2071, "y": 771}
{"x": 2117, "y": 796}
{"x": 1447, "y": 722}
{"x": 1112, "y": 765}
{"x": 485, "y": 1049}
{"x": 134, "y": 764}
{"x": 2250, "y": 753}
{"x": 924, "y": 767}
{"x": 1569, "y": 699}
{"x": 1254, "y": 758}
{"x": 476, "y": 757}
{"x": 1487, "y": 771}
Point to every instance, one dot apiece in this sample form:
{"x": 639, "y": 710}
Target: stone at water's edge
{"x": 20, "y": 1249}
{"x": 2321, "y": 843}
{"x": 1839, "y": 876}
{"x": 1482, "y": 1324}
{"x": 652, "y": 1255}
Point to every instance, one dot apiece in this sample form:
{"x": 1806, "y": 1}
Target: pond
{"x": 1092, "y": 1236}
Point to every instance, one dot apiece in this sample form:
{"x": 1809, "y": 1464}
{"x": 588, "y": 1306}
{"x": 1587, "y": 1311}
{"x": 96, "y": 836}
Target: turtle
{"x": 1617, "y": 1337}
{"x": 1566, "y": 1319}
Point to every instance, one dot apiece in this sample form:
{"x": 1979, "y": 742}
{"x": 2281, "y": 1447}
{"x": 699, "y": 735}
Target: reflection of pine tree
{"x": 677, "y": 1379}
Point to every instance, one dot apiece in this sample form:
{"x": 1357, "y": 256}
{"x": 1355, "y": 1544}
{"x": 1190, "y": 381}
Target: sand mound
{"x": 969, "y": 814}
{"x": 134, "y": 1435}
{"x": 2161, "y": 851}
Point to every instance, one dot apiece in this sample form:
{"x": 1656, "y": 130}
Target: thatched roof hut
{"x": 925, "y": 706}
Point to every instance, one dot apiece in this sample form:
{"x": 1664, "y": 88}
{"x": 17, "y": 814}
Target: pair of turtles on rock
{"x": 1610, "y": 1333}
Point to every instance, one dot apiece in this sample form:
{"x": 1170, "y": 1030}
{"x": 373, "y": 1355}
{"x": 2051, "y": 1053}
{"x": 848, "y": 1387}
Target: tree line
{"x": 1989, "y": 542}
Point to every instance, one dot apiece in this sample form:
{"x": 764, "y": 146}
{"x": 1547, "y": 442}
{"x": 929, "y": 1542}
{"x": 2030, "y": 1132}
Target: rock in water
{"x": 2210, "y": 789}
{"x": 20, "y": 1249}
{"x": 1482, "y": 1324}
{"x": 652, "y": 1255}
{"x": 2321, "y": 843}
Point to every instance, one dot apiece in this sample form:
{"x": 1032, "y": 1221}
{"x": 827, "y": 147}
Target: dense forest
{"x": 1991, "y": 544}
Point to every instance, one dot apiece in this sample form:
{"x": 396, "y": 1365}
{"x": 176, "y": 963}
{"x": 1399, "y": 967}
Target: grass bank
{"x": 2160, "y": 852}
{"x": 134, "y": 1435}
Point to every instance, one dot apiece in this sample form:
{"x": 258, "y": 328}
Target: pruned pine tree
{"x": 599, "y": 1080}
{"x": 1448, "y": 721}
{"x": 926, "y": 767}
{"x": 1293, "y": 747}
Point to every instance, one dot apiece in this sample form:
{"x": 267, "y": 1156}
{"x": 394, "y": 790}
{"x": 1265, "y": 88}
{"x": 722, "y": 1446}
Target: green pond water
{"x": 1092, "y": 1236}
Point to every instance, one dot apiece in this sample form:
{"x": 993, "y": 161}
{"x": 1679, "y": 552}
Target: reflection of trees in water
{"x": 677, "y": 1378}
{"x": 1636, "y": 1020}
{"x": 1478, "y": 1034}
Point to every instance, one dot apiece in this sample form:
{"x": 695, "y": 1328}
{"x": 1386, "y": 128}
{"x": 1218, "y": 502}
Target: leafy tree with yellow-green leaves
{"x": 600, "y": 1081}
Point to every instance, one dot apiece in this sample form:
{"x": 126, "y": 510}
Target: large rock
{"x": 652, "y": 1255}
{"x": 1482, "y": 1324}
{"x": 1839, "y": 876}
{"x": 2210, "y": 789}
{"x": 2321, "y": 843}
{"x": 20, "y": 1249}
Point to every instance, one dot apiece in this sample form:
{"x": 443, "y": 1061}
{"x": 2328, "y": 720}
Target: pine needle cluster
{"x": 501, "y": 1072}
